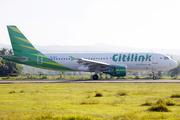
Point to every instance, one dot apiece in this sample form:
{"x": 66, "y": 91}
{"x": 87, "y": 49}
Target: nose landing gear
{"x": 154, "y": 77}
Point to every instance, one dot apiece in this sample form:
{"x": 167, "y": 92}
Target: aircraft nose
{"x": 174, "y": 64}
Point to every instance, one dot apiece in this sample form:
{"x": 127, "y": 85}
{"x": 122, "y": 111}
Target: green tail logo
{"x": 72, "y": 58}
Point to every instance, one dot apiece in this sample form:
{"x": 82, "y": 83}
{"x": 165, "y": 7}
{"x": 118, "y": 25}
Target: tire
{"x": 95, "y": 77}
{"x": 154, "y": 77}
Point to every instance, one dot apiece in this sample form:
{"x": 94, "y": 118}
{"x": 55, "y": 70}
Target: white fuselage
{"x": 133, "y": 61}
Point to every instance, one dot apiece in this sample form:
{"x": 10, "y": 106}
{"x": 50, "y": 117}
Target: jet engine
{"x": 117, "y": 70}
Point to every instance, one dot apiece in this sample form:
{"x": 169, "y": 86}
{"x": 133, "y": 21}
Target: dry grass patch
{"x": 122, "y": 93}
{"x": 89, "y": 101}
{"x": 147, "y": 103}
{"x": 12, "y": 92}
{"x": 159, "y": 108}
{"x": 175, "y": 96}
{"x": 98, "y": 94}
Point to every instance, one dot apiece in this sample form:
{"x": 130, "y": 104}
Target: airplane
{"x": 115, "y": 64}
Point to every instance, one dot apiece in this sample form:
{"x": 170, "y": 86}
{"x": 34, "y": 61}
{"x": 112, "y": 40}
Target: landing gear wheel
{"x": 95, "y": 77}
{"x": 154, "y": 75}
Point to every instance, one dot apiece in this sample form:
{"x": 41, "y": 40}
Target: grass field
{"x": 77, "y": 101}
{"x": 68, "y": 77}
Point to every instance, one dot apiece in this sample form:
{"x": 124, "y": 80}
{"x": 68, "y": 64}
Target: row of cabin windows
{"x": 95, "y": 58}
{"x": 85, "y": 58}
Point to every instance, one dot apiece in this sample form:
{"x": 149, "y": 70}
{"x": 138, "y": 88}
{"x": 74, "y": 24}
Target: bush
{"x": 160, "y": 105}
{"x": 137, "y": 77}
{"x": 44, "y": 77}
{"x": 147, "y": 103}
{"x": 175, "y": 96}
{"x": 159, "y": 108}
{"x": 29, "y": 76}
{"x": 170, "y": 103}
{"x": 122, "y": 93}
{"x": 22, "y": 91}
{"x": 98, "y": 94}
{"x": 12, "y": 92}
{"x": 8, "y": 77}
{"x": 150, "y": 75}
{"x": 161, "y": 101}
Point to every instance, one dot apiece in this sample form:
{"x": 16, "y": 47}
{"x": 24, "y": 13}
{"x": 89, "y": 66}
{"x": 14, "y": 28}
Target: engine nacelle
{"x": 118, "y": 70}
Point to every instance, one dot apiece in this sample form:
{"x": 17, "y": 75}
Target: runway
{"x": 88, "y": 81}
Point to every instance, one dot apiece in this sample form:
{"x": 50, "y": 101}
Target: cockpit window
{"x": 166, "y": 58}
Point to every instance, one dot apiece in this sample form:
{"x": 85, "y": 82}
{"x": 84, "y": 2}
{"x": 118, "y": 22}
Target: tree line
{"x": 9, "y": 68}
{"x": 175, "y": 71}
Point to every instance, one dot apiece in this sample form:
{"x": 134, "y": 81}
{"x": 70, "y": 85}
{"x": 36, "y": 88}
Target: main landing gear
{"x": 95, "y": 77}
{"x": 154, "y": 77}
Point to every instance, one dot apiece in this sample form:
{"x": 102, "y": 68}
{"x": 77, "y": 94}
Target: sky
{"x": 131, "y": 23}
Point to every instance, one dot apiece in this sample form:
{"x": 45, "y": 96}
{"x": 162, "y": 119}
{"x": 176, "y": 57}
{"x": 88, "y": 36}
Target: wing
{"x": 93, "y": 65}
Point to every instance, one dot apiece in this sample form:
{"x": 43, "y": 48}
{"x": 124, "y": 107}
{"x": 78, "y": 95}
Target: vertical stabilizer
{"x": 26, "y": 53}
{"x": 20, "y": 43}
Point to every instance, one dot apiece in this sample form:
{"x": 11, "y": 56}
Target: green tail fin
{"x": 20, "y": 43}
{"x": 25, "y": 53}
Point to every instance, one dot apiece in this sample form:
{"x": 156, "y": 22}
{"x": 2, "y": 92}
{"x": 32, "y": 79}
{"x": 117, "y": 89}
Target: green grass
{"x": 77, "y": 101}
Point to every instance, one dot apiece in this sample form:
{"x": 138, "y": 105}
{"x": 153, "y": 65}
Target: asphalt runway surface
{"x": 88, "y": 81}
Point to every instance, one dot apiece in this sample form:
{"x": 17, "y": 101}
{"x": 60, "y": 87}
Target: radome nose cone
{"x": 175, "y": 64}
